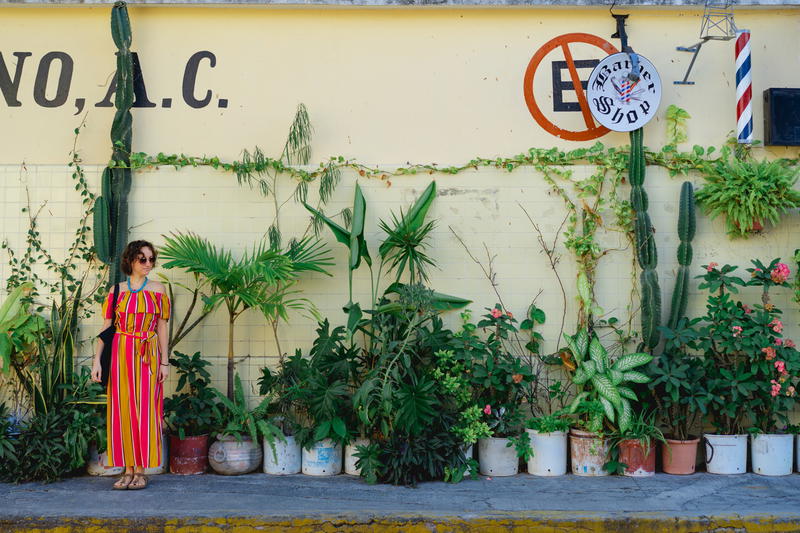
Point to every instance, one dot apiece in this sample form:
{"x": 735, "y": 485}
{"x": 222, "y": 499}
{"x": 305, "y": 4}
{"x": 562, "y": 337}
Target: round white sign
{"x": 616, "y": 101}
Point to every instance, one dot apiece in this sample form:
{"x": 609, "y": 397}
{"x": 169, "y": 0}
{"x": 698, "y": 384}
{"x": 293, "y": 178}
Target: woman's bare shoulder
{"x": 156, "y": 286}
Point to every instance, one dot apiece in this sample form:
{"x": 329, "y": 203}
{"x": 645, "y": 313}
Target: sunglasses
{"x": 144, "y": 260}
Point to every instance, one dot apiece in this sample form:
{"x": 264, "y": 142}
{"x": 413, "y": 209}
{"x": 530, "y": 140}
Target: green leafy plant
{"x": 679, "y": 380}
{"x": 550, "y": 423}
{"x": 239, "y": 421}
{"x": 643, "y": 428}
{"x": 323, "y": 391}
{"x": 262, "y": 278}
{"x": 748, "y": 193}
{"x": 603, "y": 383}
{"x": 193, "y": 410}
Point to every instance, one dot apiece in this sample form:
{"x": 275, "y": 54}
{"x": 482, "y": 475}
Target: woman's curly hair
{"x": 132, "y": 252}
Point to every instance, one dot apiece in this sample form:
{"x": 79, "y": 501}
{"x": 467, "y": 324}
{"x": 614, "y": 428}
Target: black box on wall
{"x": 782, "y": 117}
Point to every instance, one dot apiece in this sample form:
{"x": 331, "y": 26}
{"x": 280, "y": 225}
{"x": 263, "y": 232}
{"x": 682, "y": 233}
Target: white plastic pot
{"x": 725, "y": 454}
{"x": 323, "y": 459}
{"x": 350, "y": 457}
{"x": 549, "y": 453}
{"x": 771, "y": 455}
{"x": 160, "y": 469}
{"x": 287, "y": 458}
{"x": 96, "y": 466}
{"x": 496, "y": 458}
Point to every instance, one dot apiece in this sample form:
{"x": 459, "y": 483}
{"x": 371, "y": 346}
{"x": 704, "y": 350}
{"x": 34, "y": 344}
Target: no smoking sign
{"x": 566, "y": 81}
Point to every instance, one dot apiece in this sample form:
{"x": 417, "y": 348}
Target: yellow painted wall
{"x": 385, "y": 87}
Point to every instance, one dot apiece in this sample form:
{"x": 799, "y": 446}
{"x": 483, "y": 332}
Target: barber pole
{"x": 744, "y": 89}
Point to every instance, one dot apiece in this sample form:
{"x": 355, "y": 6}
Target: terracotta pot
{"x": 188, "y": 456}
{"x": 641, "y": 462}
{"x": 588, "y": 453}
{"x": 679, "y": 457}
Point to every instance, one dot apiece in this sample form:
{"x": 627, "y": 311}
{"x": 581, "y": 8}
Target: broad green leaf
{"x": 625, "y": 392}
{"x": 582, "y": 342}
{"x": 339, "y": 427}
{"x": 598, "y": 354}
{"x": 603, "y": 385}
{"x": 590, "y": 368}
{"x": 625, "y": 416}
{"x": 635, "y": 377}
{"x": 627, "y": 362}
{"x": 616, "y": 377}
{"x": 580, "y": 377}
{"x": 608, "y": 408}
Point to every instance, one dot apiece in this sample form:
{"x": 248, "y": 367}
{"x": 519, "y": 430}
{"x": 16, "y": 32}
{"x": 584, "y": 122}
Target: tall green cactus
{"x": 111, "y": 207}
{"x": 645, "y": 244}
{"x": 686, "y": 229}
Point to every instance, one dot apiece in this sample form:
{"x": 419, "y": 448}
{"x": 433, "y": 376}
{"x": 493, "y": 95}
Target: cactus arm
{"x": 687, "y": 224}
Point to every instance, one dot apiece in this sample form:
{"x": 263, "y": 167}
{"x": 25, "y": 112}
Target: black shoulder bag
{"x": 107, "y": 336}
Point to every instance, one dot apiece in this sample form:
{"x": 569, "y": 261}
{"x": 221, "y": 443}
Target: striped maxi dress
{"x": 135, "y": 397}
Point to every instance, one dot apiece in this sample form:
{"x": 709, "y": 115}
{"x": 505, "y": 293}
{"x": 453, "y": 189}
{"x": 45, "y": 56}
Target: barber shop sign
{"x": 619, "y": 101}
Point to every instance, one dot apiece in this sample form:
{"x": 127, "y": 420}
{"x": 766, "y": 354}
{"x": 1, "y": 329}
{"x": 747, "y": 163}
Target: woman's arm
{"x": 97, "y": 370}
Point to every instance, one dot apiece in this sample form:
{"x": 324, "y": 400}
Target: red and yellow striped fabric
{"x": 135, "y": 397}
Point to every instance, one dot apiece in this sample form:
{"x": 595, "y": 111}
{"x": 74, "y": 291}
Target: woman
{"x": 139, "y": 367}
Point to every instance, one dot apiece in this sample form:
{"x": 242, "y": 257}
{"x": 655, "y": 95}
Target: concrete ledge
{"x": 528, "y": 522}
{"x": 257, "y": 502}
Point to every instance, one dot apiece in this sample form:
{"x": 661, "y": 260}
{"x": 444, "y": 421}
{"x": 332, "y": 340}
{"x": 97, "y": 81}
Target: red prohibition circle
{"x": 592, "y": 130}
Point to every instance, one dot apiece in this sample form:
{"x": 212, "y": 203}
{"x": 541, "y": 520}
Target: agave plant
{"x": 604, "y": 383}
{"x": 262, "y": 278}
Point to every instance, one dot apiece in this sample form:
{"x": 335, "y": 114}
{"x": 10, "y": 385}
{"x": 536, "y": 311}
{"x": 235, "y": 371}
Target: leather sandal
{"x": 123, "y": 482}
{"x": 138, "y": 482}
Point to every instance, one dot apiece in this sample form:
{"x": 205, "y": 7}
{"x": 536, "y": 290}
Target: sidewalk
{"x": 211, "y": 503}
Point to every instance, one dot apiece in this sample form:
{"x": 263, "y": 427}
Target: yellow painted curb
{"x": 548, "y": 521}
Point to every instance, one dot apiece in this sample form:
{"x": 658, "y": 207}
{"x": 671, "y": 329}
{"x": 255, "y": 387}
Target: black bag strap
{"x": 114, "y": 301}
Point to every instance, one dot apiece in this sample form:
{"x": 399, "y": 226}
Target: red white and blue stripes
{"x": 744, "y": 89}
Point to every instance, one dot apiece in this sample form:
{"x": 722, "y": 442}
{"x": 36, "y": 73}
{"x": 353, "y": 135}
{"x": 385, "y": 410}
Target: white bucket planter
{"x": 771, "y": 455}
{"x": 289, "y": 457}
{"x": 323, "y": 459}
{"x": 96, "y": 466}
{"x": 549, "y": 453}
{"x": 350, "y": 457}
{"x": 725, "y": 454}
{"x": 160, "y": 469}
{"x": 496, "y": 458}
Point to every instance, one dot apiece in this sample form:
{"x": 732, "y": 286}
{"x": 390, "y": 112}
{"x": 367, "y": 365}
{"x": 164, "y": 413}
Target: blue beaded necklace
{"x": 130, "y": 290}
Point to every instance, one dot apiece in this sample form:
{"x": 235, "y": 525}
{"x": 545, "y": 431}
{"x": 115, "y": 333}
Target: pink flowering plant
{"x": 498, "y": 380}
{"x": 751, "y": 369}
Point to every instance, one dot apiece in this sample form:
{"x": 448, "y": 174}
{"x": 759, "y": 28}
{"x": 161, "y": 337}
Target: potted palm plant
{"x": 602, "y": 404}
{"x": 262, "y": 278}
{"x": 680, "y": 394}
{"x": 237, "y": 449}
{"x": 190, "y": 414}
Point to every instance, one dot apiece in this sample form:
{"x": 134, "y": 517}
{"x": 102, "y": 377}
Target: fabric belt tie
{"x": 149, "y": 348}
